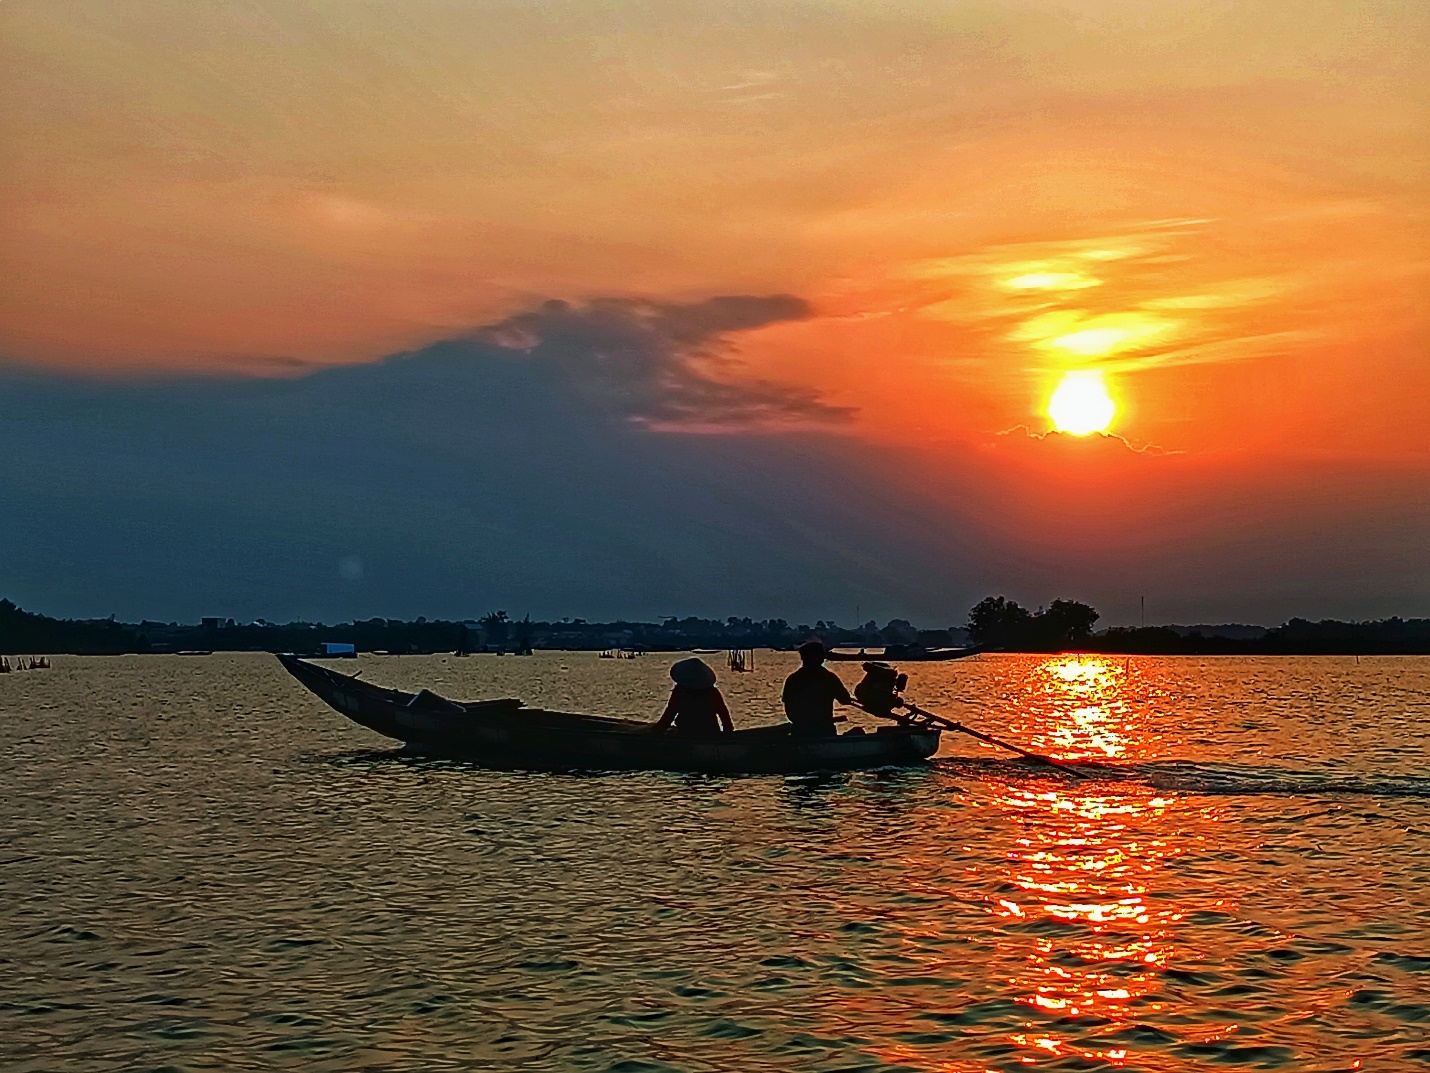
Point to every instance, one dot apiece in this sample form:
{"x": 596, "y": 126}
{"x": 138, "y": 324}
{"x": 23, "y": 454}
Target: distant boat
{"x": 906, "y": 653}
{"x": 507, "y": 734}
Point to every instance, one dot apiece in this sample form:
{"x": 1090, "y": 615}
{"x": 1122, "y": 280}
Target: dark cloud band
{"x": 661, "y": 363}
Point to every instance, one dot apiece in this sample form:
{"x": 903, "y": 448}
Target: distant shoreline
{"x": 23, "y": 632}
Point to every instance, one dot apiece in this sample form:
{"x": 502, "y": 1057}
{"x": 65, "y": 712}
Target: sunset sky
{"x": 616, "y": 308}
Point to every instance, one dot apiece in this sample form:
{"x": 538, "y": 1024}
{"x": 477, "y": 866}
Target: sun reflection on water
{"x": 1088, "y": 894}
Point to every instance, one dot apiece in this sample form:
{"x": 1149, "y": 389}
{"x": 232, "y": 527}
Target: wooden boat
{"x": 507, "y": 734}
{"x": 905, "y": 653}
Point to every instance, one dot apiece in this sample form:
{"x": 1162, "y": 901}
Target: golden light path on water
{"x": 1087, "y": 908}
{"x": 1089, "y": 859}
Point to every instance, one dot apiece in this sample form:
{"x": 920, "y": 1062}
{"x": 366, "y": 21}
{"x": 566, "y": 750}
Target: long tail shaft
{"x": 943, "y": 722}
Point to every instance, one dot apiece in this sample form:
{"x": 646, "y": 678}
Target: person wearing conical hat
{"x": 696, "y": 706}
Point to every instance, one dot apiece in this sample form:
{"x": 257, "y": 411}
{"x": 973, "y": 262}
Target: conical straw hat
{"x": 693, "y": 673}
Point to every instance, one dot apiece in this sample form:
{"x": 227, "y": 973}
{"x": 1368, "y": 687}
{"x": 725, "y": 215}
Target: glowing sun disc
{"x": 1081, "y": 404}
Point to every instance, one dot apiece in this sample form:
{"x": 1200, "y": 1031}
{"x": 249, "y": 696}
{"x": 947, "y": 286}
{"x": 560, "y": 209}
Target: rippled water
{"x": 204, "y": 868}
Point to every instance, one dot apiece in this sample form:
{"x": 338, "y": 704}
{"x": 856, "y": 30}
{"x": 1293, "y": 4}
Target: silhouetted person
{"x": 696, "y": 706}
{"x": 810, "y": 693}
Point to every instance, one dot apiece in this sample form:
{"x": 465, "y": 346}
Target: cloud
{"x": 657, "y": 365}
{"x": 665, "y": 365}
{"x": 465, "y": 477}
{"x": 1150, "y": 296}
{"x": 1055, "y": 444}
{"x": 444, "y": 482}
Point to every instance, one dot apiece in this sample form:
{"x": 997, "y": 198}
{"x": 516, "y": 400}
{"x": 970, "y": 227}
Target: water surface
{"x": 204, "y": 868}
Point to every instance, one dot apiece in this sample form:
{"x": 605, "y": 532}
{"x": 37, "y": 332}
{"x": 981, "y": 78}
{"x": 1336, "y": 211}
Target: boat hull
{"x": 506, "y": 735}
{"x": 905, "y": 654}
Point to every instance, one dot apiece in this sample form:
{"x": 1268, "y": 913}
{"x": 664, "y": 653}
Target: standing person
{"x": 810, "y": 693}
{"x": 696, "y": 706}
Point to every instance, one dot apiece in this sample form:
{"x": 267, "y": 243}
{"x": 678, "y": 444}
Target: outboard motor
{"x": 878, "y": 691}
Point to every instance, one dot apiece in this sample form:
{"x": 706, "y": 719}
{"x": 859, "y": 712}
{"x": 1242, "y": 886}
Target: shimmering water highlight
{"x": 206, "y": 869}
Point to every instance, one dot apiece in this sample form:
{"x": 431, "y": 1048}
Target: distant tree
{"x": 523, "y": 634}
{"x": 1002, "y": 623}
{"x": 495, "y": 623}
{"x": 998, "y": 621}
{"x": 1067, "y": 623}
{"x": 898, "y": 631}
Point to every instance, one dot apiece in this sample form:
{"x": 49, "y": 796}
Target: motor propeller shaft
{"x": 880, "y": 691}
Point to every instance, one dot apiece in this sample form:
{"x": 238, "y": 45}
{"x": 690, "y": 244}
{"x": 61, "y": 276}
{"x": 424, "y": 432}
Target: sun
{"x": 1081, "y": 405}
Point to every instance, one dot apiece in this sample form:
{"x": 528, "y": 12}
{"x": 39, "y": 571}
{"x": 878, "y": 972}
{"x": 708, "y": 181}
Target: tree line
{"x": 1002, "y": 624}
{"x": 23, "y": 631}
{"x": 997, "y": 622}
{"x": 994, "y": 622}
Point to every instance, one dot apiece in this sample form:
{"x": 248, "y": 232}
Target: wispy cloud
{"x": 1022, "y": 436}
{"x": 751, "y": 87}
{"x": 1124, "y": 301}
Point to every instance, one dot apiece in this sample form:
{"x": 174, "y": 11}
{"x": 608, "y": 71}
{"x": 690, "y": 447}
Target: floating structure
{"x": 507, "y": 734}
{"x": 905, "y": 654}
{"x": 34, "y": 663}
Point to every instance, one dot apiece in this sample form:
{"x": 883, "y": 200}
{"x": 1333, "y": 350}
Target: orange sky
{"x": 1223, "y": 207}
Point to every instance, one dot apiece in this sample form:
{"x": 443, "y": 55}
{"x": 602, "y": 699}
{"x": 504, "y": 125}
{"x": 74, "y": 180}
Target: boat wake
{"x": 1188, "y": 777}
{"x": 1169, "y": 776}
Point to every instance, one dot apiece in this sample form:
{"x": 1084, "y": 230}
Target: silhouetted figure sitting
{"x": 810, "y": 693}
{"x": 696, "y": 707}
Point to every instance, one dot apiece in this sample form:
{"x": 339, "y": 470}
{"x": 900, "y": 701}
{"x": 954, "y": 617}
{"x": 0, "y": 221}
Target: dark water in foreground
{"x": 202, "y": 868}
